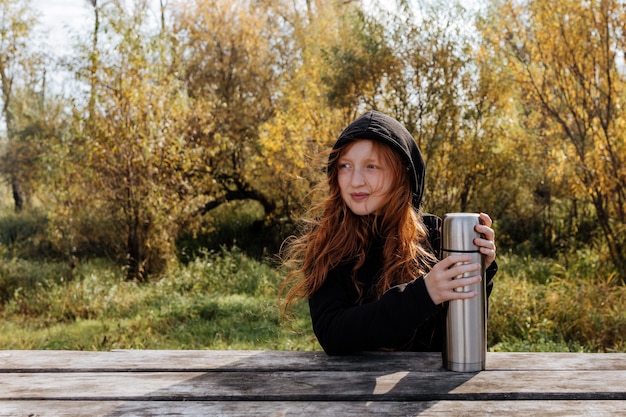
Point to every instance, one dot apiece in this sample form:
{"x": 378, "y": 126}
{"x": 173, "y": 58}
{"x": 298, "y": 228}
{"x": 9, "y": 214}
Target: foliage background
{"x": 145, "y": 207}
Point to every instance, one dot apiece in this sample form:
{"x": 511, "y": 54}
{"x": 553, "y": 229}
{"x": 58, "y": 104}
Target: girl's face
{"x": 365, "y": 177}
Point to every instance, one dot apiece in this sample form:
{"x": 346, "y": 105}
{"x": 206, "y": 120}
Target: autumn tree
{"x": 252, "y": 72}
{"x": 22, "y": 81}
{"x": 132, "y": 152}
{"x": 416, "y": 64}
{"x": 431, "y": 94}
{"x": 357, "y": 64}
{"x": 566, "y": 58}
{"x": 305, "y": 123}
{"x": 229, "y": 71}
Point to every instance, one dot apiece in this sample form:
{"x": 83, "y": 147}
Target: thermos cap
{"x": 458, "y": 232}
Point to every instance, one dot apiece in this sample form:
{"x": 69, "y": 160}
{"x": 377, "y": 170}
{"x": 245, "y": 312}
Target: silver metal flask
{"x": 466, "y": 323}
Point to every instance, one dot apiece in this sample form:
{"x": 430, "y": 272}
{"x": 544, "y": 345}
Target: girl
{"x": 368, "y": 263}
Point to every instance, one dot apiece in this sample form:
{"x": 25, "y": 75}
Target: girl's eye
{"x": 344, "y": 165}
{"x": 372, "y": 166}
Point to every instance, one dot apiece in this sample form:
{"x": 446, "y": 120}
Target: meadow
{"x": 225, "y": 299}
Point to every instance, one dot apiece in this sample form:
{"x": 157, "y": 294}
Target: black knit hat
{"x": 378, "y": 126}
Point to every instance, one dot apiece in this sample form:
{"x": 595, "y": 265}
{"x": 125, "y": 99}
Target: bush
{"x": 236, "y": 223}
{"x": 537, "y": 304}
{"x": 24, "y": 234}
{"x": 18, "y": 276}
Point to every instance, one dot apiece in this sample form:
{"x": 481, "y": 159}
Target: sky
{"x": 61, "y": 18}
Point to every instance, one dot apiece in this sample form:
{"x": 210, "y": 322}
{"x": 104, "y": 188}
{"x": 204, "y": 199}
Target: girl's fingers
{"x": 462, "y": 269}
{"x": 487, "y": 232}
{"x": 443, "y": 281}
{"x": 484, "y": 217}
{"x": 457, "y": 283}
{"x": 486, "y": 244}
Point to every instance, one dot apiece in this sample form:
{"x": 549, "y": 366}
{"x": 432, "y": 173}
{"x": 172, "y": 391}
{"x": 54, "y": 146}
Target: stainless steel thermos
{"x": 465, "y": 349}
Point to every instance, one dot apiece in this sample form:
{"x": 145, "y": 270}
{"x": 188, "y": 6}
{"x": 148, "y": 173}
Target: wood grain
{"x": 199, "y": 383}
{"x": 321, "y": 409}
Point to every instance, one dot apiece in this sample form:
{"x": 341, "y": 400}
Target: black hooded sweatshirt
{"x": 405, "y": 317}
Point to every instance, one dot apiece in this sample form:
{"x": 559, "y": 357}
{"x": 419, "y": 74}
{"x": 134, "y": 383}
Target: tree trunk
{"x": 18, "y": 194}
{"x": 133, "y": 252}
{"x": 614, "y": 241}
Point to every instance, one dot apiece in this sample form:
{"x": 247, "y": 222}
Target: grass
{"x": 222, "y": 300}
{"x": 227, "y": 300}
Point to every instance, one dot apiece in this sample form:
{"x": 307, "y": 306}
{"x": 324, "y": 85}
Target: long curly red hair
{"x": 332, "y": 234}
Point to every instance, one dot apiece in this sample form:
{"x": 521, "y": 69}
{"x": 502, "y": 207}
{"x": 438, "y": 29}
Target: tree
{"x": 132, "y": 151}
{"x": 20, "y": 74}
{"x": 229, "y": 65}
{"x": 417, "y": 66}
{"x": 305, "y": 122}
{"x": 358, "y": 62}
{"x": 566, "y": 57}
{"x": 432, "y": 95}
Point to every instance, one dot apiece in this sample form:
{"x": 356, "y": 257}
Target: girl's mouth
{"x": 359, "y": 196}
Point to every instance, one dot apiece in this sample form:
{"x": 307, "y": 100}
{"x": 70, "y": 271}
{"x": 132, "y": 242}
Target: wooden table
{"x": 273, "y": 383}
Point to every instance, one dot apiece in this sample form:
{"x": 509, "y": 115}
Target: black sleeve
{"x": 342, "y": 327}
{"x": 490, "y": 272}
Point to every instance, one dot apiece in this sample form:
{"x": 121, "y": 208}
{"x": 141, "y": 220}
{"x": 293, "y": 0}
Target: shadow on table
{"x": 361, "y": 385}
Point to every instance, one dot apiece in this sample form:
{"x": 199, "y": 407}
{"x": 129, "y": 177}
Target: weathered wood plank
{"x": 272, "y": 383}
{"x": 319, "y": 409}
{"x": 555, "y": 361}
{"x": 206, "y": 360}
{"x": 315, "y": 386}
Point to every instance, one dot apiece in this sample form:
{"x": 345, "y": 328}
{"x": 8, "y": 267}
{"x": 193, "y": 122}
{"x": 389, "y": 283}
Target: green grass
{"x": 221, "y": 300}
{"x": 227, "y": 300}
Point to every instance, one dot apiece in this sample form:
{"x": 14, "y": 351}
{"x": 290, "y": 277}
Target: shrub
{"x": 538, "y": 304}
{"x": 19, "y": 275}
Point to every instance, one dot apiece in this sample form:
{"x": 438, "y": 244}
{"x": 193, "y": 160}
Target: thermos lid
{"x": 458, "y": 232}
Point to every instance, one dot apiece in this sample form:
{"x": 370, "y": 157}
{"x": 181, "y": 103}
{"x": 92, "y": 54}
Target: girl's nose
{"x": 357, "y": 177}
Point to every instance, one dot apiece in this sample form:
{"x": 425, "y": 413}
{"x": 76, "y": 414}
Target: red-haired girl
{"x": 367, "y": 262}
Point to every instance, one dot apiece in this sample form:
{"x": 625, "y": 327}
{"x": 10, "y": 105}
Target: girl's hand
{"x": 487, "y": 245}
{"x": 440, "y": 282}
